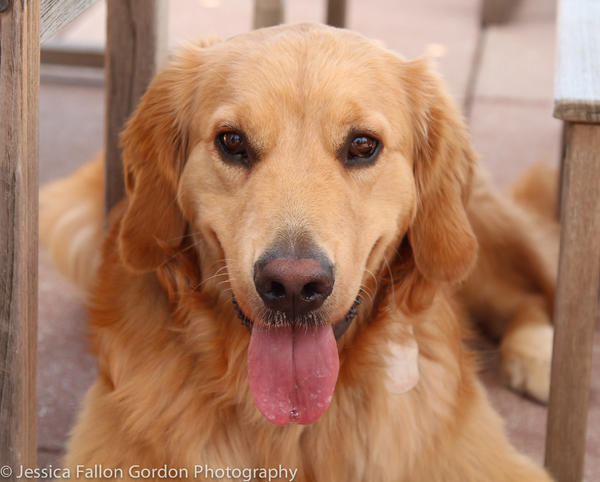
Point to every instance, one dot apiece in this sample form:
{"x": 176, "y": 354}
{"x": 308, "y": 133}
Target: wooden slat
{"x": 268, "y": 13}
{"x": 336, "y": 13}
{"x": 57, "y": 13}
{"x": 19, "y": 113}
{"x": 85, "y": 56}
{"x": 577, "y": 88}
{"x": 575, "y": 310}
{"x": 135, "y": 46}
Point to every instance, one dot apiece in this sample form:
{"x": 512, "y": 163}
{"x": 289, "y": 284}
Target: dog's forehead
{"x": 302, "y": 69}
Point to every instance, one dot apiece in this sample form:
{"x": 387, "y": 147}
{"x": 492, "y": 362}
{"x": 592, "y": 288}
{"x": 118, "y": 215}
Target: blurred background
{"x": 497, "y": 57}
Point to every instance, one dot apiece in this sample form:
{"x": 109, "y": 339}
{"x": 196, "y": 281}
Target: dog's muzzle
{"x": 339, "y": 328}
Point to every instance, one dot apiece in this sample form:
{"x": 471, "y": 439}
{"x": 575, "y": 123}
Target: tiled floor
{"x": 503, "y": 75}
{"x": 511, "y": 119}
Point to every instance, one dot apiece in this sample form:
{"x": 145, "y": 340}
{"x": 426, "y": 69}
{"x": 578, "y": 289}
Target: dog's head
{"x": 298, "y": 159}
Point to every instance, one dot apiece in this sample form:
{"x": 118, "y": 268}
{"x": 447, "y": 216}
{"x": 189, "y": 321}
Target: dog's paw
{"x": 526, "y": 359}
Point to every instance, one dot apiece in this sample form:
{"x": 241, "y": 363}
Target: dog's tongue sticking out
{"x": 292, "y": 372}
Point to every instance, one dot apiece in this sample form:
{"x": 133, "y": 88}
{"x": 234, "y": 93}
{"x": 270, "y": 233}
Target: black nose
{"x": 294, "y": 286}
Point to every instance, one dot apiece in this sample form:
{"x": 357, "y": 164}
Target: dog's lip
{"x": 339, "y": 328}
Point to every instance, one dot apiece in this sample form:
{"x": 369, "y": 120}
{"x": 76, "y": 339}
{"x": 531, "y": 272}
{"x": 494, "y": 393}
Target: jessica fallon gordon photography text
{"x": 204, "y": 472}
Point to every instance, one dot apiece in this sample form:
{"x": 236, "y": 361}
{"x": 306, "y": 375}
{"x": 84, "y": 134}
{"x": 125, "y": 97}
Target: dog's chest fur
{"x": 178, "y": 380}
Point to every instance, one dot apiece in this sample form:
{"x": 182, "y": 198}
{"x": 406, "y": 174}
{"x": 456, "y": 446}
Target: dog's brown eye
{"x": 234, "y": 148}
{"x": 361, "y": 150}
{"x": 362, "y": 146}
{"x": 232, "y": 143}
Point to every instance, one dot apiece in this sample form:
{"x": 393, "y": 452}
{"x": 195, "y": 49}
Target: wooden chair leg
{"x": 575, "y": 304}
{"x": 268, "y": 13}
{"x": 563, "y": 154}
{"x": 19, "y": 117}
{"x": 336, "y": 13}
{"x": 135, "y": 47}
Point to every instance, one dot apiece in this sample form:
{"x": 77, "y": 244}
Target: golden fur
{"x": 173, "y": 385}
{"x": 511, "y": 291}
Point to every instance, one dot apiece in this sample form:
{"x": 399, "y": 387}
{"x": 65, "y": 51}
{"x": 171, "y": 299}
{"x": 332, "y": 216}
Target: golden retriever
{"x": 277, "y": 291}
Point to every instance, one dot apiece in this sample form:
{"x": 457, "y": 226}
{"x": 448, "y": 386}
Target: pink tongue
{"x": 292, "y": 372}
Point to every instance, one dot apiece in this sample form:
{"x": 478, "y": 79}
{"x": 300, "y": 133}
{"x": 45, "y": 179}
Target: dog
{"x": 286, "y": 282}
{"x": 510, "y": 293}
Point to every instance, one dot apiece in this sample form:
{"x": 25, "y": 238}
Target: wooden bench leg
{"x": 575, "y": 311}
{"x": 19, "y": 116}
{"x": 136, "y": 45}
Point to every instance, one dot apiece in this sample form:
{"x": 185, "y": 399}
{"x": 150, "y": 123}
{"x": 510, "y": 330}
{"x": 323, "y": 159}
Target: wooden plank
{"x": 336, "y": 13}
{"x": 86, "y": 56}
{"x": 135, "y": 47}
{"x": 19, "y": 117}
{"x": 268, "y": 13}
{"x": 577, "y": 87}
{"x": 575, "y": 304}
{"x": 57, "y": 13}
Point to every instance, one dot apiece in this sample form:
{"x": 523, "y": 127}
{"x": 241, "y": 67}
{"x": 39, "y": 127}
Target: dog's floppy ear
{"x": 154, "y": 152}
{"x": 443, "y": 243}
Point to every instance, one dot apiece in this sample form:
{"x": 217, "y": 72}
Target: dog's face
{"x": 298, "y": 158}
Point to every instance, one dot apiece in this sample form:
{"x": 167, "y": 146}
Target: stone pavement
{"x": 501, "y": 75}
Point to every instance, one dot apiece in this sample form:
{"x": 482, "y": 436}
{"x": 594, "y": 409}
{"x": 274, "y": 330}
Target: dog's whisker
{"x": 368, "y": 294}
{"x": 222, "y": 260}
{"x": 224, "y": 78}
{"x": 183, "y": 236}
{"x": 207, "y": 280}
{"x": 218, "y": 274}
{"x": 391, "y": 280}
{"x": 368, "y": 271}
{"x": 222, "y": 282}
{"x": 228, "y": 280}
{"x": 180, "y": 251}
